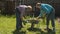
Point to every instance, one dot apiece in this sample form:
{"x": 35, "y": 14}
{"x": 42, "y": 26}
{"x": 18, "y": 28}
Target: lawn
{"x": 8, "y": 23}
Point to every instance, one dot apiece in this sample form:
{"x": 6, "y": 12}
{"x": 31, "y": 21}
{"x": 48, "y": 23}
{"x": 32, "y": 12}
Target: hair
{"x": 38, "y": 4}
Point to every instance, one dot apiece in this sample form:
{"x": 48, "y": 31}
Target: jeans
{"x": 18, "y": 20}
{"x": 51, "y": 17}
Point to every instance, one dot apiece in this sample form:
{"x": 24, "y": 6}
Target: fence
{"x": 10, "y": 5}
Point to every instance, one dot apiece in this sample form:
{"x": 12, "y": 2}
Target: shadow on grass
{"x": 19, "y": 32}
{"x": 34, "y": 29}
{"x": 51, "y": 32}
{"x": 41, "y": 32}
{"x": 37, "y": 30}
{"x": 8, "y": 16}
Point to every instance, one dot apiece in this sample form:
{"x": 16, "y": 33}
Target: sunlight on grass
{"x": 7, "y": 26}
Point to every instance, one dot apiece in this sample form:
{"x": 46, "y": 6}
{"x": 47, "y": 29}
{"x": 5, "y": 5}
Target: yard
{"x": 8, "y": 23}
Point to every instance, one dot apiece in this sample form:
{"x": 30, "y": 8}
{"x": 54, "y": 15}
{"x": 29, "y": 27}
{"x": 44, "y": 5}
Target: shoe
{"x": 53, "y": 29}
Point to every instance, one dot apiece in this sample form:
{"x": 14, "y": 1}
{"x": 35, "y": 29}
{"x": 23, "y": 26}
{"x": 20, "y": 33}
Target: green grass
{"x": 8, "y": 23}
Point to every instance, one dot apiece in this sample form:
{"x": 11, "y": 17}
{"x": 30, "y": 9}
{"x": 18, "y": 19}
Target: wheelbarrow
{"x": 32, "y": 21}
